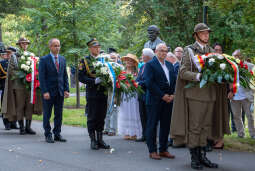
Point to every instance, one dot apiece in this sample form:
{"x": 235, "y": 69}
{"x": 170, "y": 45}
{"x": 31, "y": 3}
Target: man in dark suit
{"x": 160, "y": 84}
{"x": 147, "y": 55}
{"x": 54, "y": 87}
{"x": 95, "y": 95}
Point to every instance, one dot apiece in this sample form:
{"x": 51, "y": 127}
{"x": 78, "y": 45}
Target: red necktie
{"x": 56, "y": 63}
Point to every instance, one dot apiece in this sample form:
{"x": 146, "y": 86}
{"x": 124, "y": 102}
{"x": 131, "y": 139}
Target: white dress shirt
{"x": 166, "y": 71}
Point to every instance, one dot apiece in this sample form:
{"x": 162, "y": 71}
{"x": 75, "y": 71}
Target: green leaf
{"x": 202, "y": 83}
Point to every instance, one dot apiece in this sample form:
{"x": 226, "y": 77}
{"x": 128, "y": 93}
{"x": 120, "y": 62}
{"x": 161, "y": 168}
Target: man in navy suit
{"x": 54, "y": 87}
{"x": 160, "y": 84}
{"x": 147, "y": 55}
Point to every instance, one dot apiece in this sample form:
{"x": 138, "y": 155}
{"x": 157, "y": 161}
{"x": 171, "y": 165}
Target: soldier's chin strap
{"x": 201, "y": 39}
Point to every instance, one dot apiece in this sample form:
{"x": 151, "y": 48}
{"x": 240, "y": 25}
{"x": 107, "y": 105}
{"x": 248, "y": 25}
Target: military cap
{"x": 12, "y": 49}
{"x": 93, "y": 42}
{"x": 23, "y": 40}
{"x": 2, "y": 48}
{"x": 110, "y": 50}
{"x": 201, "y": 27}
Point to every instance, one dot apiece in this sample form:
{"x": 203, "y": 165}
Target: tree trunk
{"x": 76, "y": 61}
{"x": 1, "y": 38}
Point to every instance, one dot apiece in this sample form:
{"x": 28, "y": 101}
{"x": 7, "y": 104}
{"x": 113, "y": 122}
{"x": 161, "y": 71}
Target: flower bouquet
{"x": 217, "y": 68}
{"x": 28, "y": 73}
{"x": 116, "y": 80}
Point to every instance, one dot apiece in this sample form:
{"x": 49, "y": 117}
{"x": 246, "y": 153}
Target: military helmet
{"x": 23, "y": 40}
{"x": 2, "y": 48}
{"x": 201, "y": 27}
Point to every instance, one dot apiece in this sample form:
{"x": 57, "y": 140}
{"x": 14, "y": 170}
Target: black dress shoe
{"x": 49, "y": 139}
{"x": 59, "y": 138}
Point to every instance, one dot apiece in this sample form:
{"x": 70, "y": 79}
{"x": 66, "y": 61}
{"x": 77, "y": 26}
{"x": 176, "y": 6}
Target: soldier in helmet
{"x": 154, "y": 40}
{"x": 193, "y": 107}
{"x": 16, "y": 100}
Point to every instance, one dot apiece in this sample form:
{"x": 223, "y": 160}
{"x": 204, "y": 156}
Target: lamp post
{"x": 205, "y": 12}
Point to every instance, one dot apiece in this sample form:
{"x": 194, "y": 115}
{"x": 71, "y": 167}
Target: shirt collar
{"x": 160, "y": 62}
{"x": 201, "y": 46}
{"x": 53, "y": 55}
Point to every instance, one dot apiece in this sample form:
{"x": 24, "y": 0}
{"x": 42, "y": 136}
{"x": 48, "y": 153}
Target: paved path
{"x": 32, "y": 153}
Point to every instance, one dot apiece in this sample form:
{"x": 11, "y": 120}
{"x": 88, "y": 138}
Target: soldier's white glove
{"x": 98, "y": 80}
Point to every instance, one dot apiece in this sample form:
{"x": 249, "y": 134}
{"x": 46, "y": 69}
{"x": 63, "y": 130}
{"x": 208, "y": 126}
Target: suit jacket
{"x": 156, "y": 81}
{"x": 50, "y": 80}
{"x": 176, "y": 68}
{"x": 141, "y": 81}
{"x": 92, "y": 90}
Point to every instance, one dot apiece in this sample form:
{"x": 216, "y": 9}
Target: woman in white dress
{"x": 129, "y": 124}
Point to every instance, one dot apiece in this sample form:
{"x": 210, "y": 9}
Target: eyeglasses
{"x": 179, "y": 51}
{"x": 163, "y": 51}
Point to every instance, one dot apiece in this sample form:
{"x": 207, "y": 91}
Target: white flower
{"x": 222, "y": 66}
{"x": 104, "y": 70}
{"x": 26, "y": 53}
{"x": 220, "y": 56}
{"x": 22, "y": 57}
{"x": 32, "y": 54}
{"x": 23, "y": 66}
{"x": 28, "y": 62}
{"x": 211, "y": 60}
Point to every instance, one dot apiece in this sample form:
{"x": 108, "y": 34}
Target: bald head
{"x": 161, "y": 51}
{"x": 178, "y": 52}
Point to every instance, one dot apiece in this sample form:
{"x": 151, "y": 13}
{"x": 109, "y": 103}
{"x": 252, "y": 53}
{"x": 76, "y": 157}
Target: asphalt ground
{"x": 32, "y": 153}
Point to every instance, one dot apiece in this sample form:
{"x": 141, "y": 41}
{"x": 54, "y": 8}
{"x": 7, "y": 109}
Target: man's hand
{"x": 166, "y": 98}
{"x": 66, "y": 94}
{"x": 230, "y": 95}
{"x": 171, "y": 98}
{"x": 98, "y": 80}
{"x": 46, "y": 96}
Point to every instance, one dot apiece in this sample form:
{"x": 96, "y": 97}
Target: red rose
{"x": 118, "y": 84}
{"x": 246, "y": 66}
{"x": 37, "y": 83}
{"x": 121, "y": 77}
{"x": 241, "y": 64}
{"x": 135, "y": 84}
{"x": 123, "y": 72}
{"x": 29, "y": 77}
{"x": 251, "y": 72}
{"x": 127, "y": 83}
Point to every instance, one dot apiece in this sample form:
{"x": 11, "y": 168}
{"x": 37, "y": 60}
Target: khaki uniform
{"x": 196, "y": 111}
{"x": 16, "y": 101}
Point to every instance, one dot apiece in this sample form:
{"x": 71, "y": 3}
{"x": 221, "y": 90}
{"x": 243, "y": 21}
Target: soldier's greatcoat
{"x": 9, "y": 102}
{"x": 181, "y": 114}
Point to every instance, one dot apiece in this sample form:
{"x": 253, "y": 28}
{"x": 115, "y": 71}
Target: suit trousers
{"x": 237, "y": 106}
{"x": 97, "y": 108}
{"x": 199, "y": 122}
{"x": 56, "y": 101}
{"x": 143, "y": 115}
{"x": 159, "y": 112}
{"x": 23, "y": 106}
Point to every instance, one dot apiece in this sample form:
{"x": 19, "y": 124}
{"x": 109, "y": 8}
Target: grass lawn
{"x": 234, "y": 143}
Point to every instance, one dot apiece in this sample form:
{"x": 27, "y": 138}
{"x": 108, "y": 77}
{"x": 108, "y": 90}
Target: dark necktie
{"x": 56, "y": 63}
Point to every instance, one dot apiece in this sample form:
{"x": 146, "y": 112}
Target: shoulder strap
{"x": 87, "y": 68}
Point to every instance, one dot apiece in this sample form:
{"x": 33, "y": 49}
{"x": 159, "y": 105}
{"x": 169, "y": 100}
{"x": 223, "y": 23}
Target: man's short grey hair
{"x": 159, "y": 45}
{"x": 148, "y": 52}
{"x": 236, "y": 52}
{"x": 51, "y": 40}
{"x": 171, "y": 55}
